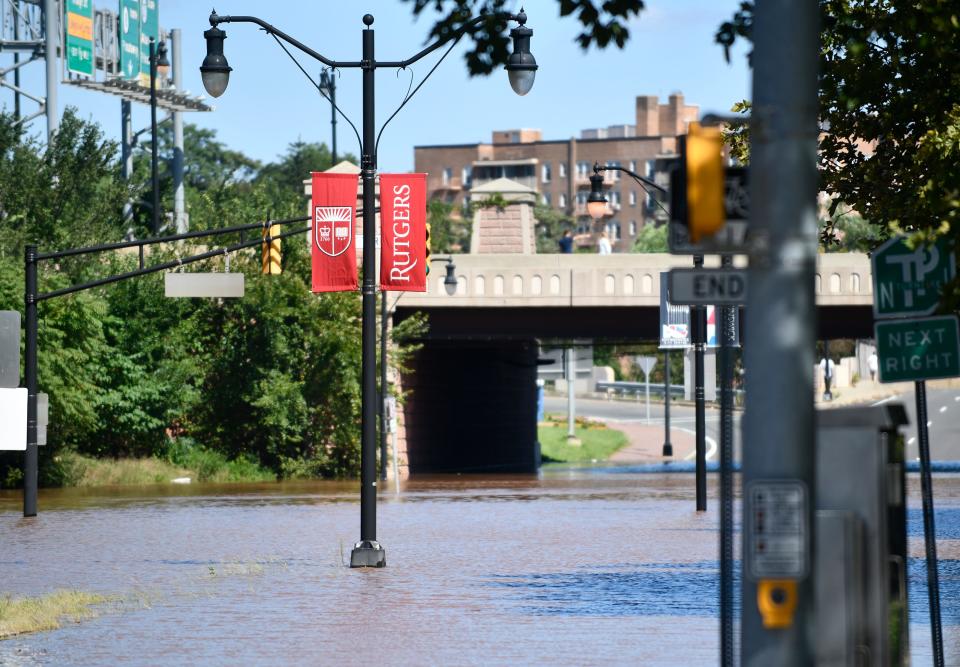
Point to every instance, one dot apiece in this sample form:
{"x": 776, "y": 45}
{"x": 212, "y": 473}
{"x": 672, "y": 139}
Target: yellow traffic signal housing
{"x": 426, "y": 253}
{"x": 270, "y": 253}
{"x": 703, "y": 164}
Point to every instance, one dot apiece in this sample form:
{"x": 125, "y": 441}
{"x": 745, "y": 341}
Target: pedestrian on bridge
{"x": 566, "y": 242}
{"x": 603, "y": 244}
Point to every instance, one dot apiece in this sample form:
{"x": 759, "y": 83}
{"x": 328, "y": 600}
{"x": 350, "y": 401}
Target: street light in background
{"x": 215, "y": 72}
{"x": 159, "y": 65}
{"x": 328, "y": 87}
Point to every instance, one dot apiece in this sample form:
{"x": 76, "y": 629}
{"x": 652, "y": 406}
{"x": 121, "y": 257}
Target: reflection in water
{"x": 568, "y": 568}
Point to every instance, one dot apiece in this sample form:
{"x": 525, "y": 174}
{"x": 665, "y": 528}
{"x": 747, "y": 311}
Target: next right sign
{"x": 918, "y": 349}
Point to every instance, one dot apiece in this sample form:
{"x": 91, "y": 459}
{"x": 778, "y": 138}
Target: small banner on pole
{"x": 334, "y": 212}
{"x": 403, "y": 219}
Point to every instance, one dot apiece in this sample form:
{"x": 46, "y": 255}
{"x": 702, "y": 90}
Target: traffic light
{"x": 426, "y": 253}
{"x": 698, "y": 188}
{"x": 270, "y": 252}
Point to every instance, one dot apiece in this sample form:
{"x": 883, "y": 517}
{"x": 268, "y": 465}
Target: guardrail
{"x": 625, "y": 388}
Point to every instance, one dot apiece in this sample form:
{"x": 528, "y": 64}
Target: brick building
{"x": 559, "y": 170}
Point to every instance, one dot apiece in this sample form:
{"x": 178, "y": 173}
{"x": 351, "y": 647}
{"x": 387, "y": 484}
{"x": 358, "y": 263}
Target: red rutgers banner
{"x": 332, "y": 233}
{"x": 403, "y": 217}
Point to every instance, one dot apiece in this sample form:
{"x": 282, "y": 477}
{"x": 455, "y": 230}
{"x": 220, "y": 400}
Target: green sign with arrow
{"x": 907, "y": 282}
{"x": 130, "y": 38}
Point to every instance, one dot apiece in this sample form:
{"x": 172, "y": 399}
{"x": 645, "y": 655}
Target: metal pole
{"x": 333, "y": 117}
{"x": 667, "y": 446}
{"x": 781, "y": 315}
{"x": 51, "y": 39}
{"x": 126, "y": 154}
{"x": 16, "y": 60}
{"x": 929, "y": 528}
{"x": 571, "y": 398}
{"x": 30, "y": 462}
{"x": 179, "y": 208}
{"x": 384, "y": 388}
{"x": 646, "y": 389}
{"x": 726, "y": 480}
{"x": 698, "y": 318}
{"x": 154, "y": 177}
{"x": 368, "y": 552}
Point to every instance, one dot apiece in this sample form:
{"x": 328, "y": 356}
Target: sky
{"x": 269, "y": 103}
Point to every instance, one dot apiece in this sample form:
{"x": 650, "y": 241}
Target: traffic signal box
{"x": 270, "y": 251}
{"x": 697, "y": 185}
{"x": 426, "y": 254}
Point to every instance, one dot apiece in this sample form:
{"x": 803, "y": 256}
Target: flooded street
{"x": 576, "y": 567}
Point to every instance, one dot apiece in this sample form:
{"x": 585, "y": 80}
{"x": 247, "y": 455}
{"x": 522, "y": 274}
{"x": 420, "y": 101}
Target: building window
{"x": 547, "y": 199}
{"x": 651, "y": 167}
{"x": 447, "y": 175}
{"x": 633, "y": 166}
{"x": 614, "y": 198}
{"x": 633, "y": 228}
{"x": 545, "y": 172}
{"x": 633, "y": 197}
{"x": 466, "y": 174}
{"x": 651, "y": 203}
{"x": 514, "y": 137}
{"x": 450, "y": 197}
{"x": 466, "y": 204}
{"x": 562, "y": 167}
{"x": 562, "y": 201}
{"x": 582, "y": 198}
{"x": 615, "y": 174}
{"x": 583, "y": 168}
{"x": 613, "y": 231}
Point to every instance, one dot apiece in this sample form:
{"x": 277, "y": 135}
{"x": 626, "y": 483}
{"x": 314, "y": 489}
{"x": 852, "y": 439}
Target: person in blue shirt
{"x": 566, "y": 243}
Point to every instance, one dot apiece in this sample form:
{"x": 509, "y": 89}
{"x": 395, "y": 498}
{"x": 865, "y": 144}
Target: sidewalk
{"x": 871, "y": 392}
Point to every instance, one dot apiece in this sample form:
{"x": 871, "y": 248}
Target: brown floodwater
{"x": 571, "y": 567}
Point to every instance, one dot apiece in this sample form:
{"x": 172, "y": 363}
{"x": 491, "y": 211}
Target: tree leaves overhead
{"x": 889, "y": 85}
{"x": 604, "y": 23}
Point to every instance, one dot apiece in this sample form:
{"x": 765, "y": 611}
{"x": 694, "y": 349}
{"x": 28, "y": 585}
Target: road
{"x": 682, "y": 418}
{"x": 943, "y": 415}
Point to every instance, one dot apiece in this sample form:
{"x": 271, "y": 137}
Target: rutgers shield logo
{"x": 333, "y": 229}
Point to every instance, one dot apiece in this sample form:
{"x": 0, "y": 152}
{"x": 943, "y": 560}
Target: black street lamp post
{"x": 328, "y": 86}
{"x": 215, "y": 72}
{"x": 158, "y": 64}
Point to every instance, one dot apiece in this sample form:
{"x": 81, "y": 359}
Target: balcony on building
{"x": 523, "y": 171}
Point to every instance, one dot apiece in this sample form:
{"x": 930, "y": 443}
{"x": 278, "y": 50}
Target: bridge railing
{"x": 622, "y": 279}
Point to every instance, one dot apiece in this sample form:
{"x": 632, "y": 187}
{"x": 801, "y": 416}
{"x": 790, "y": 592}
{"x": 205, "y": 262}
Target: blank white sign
{"x": 13, "y": 419}
{"x": 203, "y": 284}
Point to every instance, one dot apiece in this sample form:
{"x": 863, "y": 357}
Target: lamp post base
{"x": 667, "y": 449}
{"x": 368, "y": 554}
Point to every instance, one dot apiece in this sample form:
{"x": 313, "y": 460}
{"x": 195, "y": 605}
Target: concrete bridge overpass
{"x": 602, "y": 296}
{"x": 472, "y": 401}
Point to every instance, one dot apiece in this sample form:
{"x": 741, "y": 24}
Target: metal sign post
{"x": 646, "y": 364}
{"x": 907, "y": 282}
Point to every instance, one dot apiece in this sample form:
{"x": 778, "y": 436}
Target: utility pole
{"x": 126, "y": 155}
{"x": 781, "y": 317}
{"x": 179, "y": 209}
{"x": 51, "y": 36}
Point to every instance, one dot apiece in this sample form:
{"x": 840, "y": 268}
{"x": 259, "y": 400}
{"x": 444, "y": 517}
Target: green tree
{"x": 448, "y": 232}
{"x": 603, "y": 23}
{"x": 550, "y": 226}
{"x": 889, "y": 149}
{"x": 652, "y": 238}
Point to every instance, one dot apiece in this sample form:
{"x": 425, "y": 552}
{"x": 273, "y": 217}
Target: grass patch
{"x": 597, "y": 442}
{"x": 23, "y": 615}
{"x": 184, "y": 459}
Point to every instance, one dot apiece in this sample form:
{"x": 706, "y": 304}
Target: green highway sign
{"x": 918, "y": 349}
{"x": 149, "y": 27}
{"x": 130, "y": 38}
{"x": 908, "y": 282}
{"x": 79, "y": 42}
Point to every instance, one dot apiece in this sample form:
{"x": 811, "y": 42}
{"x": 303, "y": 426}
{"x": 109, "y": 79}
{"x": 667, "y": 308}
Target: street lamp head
{"x": 450, "y": 280}
{"x": 327, "y": 83}
{"x": 521, "y": 66}
{"x": 215, "y": 72}
{"x": 596, "y": 201}
{"x": 163, "y": 65}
